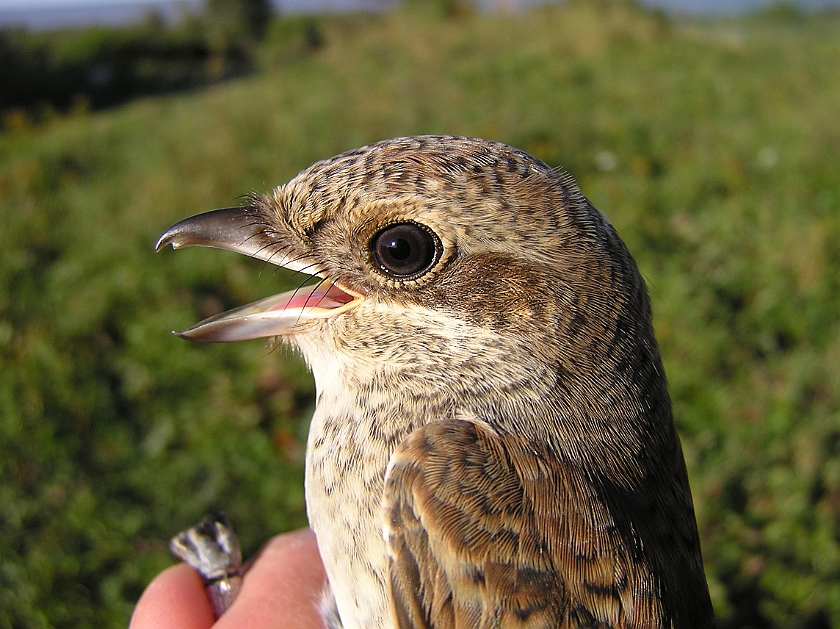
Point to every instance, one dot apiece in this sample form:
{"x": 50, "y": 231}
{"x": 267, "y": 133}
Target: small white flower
{"x": 606, "y": 161}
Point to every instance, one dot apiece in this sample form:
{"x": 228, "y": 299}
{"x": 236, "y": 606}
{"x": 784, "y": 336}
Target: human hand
{"x": 281, "y": 590}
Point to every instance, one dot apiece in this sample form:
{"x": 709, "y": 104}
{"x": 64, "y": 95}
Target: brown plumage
{"x": 493, "y": 444}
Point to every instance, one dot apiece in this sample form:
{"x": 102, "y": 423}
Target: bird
{"x": 493, "y": 444}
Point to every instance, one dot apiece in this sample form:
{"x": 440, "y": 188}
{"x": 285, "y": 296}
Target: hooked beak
{"x": 241, "y": 230}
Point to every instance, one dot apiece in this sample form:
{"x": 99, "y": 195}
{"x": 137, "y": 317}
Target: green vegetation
{"x": 714, "y": 147}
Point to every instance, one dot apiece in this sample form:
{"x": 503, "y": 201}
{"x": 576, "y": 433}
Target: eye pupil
{"x": 399, "y": 249}
{"x": 405, "y": 250}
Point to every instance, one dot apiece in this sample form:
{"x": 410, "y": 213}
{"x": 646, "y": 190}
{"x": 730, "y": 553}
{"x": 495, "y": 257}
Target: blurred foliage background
{"x": 101, "y": 66}
{"x": 712, "y": 145}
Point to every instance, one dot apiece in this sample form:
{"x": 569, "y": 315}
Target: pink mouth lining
{"x": 326, "y": 295}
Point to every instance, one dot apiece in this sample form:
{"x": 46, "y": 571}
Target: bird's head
{"x": 459, "y": 262}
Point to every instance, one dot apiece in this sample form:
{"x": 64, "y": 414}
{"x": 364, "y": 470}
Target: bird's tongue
{"x": 324, "y": 296}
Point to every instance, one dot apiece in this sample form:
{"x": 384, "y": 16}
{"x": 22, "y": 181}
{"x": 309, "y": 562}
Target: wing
{"x": 485, "y": 531}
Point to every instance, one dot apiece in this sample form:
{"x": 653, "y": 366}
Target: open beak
{"x": 239, "y": 229}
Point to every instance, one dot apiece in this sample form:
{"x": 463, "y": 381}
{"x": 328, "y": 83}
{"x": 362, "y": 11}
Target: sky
{"x": 38, "y": 4}
{"x": 31, "y": 4}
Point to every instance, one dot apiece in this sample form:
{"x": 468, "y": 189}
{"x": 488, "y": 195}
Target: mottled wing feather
{"x": 484, "y": 531}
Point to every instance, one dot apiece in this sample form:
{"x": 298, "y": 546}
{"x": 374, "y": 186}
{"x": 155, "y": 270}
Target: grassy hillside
{"x": 712, "y": 147}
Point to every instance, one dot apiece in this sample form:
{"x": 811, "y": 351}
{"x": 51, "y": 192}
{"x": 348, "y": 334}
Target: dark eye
{"x": 405, "y": 250}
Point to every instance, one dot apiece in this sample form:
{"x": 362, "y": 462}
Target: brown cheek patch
{"x": 492, "y": 290}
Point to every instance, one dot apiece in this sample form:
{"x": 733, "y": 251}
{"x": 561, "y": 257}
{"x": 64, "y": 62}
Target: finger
{"x": 282, "y": 589}
{"x": 175, "y": 599}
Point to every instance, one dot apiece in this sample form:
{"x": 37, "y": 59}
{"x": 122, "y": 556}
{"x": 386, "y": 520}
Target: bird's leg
{"x": 213, "y": 550}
